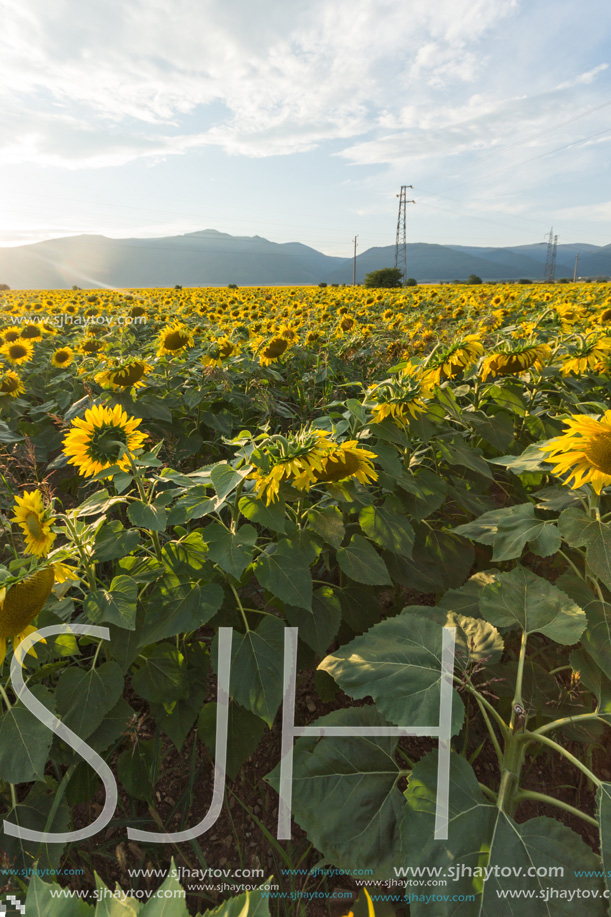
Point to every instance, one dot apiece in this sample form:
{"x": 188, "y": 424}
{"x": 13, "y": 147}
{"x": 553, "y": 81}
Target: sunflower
{"x": 32, "y": 332}
{"x": 124, "y": 374}
{"x": 17, "y": 352}
{"x": 11, "y": 384}
{"x": 10, "y": 334}
{"x": 449, "y": 362}
{"x": 400, "y": 398}
{"x": 589, "y": 355}
{"x": 35, "y": 521}
{"x": 20, "y": 604}
{"x": 91, "y": 346}
{"x": 295, "y": 458}
{"x": 218, "y": 352}
{"x": 348, "y": 460}
{"x": 584, "y": 451}
{"x": 94, "y": 441}
{"x": 174, "y": 338}
{"x": 273, "y": 350}
{"x": 514, "y": 360}
{"x": 62, "y": 357}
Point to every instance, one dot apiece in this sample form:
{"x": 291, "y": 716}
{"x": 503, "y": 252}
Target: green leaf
{"x": 112, "y": 726}
{"x": 232, "y": 551}
{"x": 163, "y": 676}
{"x": 187, "y": 557}
{"x": 35, "y": 812}
{"x": 148, "y": 517}
{"x": 510, "y": 529}
{"x": 578, "y": 530}
{"x": 250, "y": 904}
{"x": 481, "y": 836}
{"x": 426, "y": 492}
{"x": 591, "y": 676}
{"x": 114, "y": 541}
{"x": 169, "y": 900}
{"x": 532, "y": 459}
{"x": 522, "y": 598}
{"x": 328, "y": 523}
{"x": 196, "y": 503}
{"x": 465, "y": 599}
{"x": 345, "y": 795}
{"x": 245, "y": 731}
{"x": 398, "y": 663}
{"x": 318, "y": 627}
{"x": 281, "y": 570}
{"x": 458, "y": 452}
{"x": 361, "y": 562}
{"x": 269, "y": 517}
{"x": 257, "y": 660}
{"x": 597, "y": 637}
{"x": 25, "y": 741}
{"x": 41, "y": 902}
{"x": 177, "y": 719}
{"x": 85, "y": 696}
{"x": 476, "y": 640}
{"x": 116, "y": 605}
{"x": 496, "y": 429}
{"x": 603, "y": 807}
{"x": 388, "y": 526}
{"x": 225, "y": 479}
{"x": 137, "y": 767}
{"x": 175, "y": 607}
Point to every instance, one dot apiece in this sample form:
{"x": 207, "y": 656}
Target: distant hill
{"x": 211, "y": 258}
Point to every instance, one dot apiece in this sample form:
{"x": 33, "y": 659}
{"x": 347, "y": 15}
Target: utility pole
{"x": 401, "y": 243}
{"x": 354, "y": 264}
{"x": 550, "y": 259}
{"x": 576, "y": 262}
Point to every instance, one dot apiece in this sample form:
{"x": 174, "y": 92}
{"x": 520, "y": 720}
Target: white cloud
{"x": 135, "y": 77}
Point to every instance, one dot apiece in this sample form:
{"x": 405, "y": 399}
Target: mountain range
{"x": 211, "y": 258}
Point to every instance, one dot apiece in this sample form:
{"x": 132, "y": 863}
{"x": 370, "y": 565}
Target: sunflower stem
{"x": 242, "y": 612}
{"x": 5, "y": 698}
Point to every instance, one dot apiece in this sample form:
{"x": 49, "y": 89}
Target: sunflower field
{"x": 239, "y": 530}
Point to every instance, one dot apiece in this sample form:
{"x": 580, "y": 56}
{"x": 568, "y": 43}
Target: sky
{"x": 301, "y": 120}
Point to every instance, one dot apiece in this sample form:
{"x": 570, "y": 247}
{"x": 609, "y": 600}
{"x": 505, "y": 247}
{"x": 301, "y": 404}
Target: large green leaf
{"x": 476, "y": 640}
{"x": 25, "y": 741}
{"x": 139, "y": 767}
{"x": 41, "y": 902}
{"x": 270, "y": 517}
{"x": 250, "y": 904}
{"x": 169, "y": 900}
{"x": 361, "y": 562}
{"x": 594, "y": 680}
{"x": 256, "y": 668}
{"x": 579, "y": 530}
{"x": 510, "y": 530}
{"x": 283, "y": 571}
{"x": 162, "y": 678}
{"x": 318, "y": 627}
{"x": 487, "y": 853}
{"x": 597, "y": 638}
{"x": 176, "y": 607}
{"x": 35, "y": 812}
{"x": 603, "y": 800}
{"x": 388, "y": 526}
{"x": 328, "y": 523}
{"x": 114, "y": 541}
{"x": 398, "y": 663}
{"x": 345, "y": 795}
{"x": 232, "y": 551}
{"x": 116, "y": 605}
{"x": 85, "y": 696}
{"x": 146, "y": 516}
{"x": 245, "y": 731}
{"x": 177, "y": 719}
{"x": 186, "y": 558}
{"x": 522, "y": 598}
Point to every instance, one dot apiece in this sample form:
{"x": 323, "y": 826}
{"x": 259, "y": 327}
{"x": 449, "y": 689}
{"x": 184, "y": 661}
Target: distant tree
{"x": 385, "y": 277}
{"x": 178, "y": 286}
{"x": 524, "y": 280}
{"x": 473, "y": 278}
{"x": 4, "y": 286}
{"x": 322, "y": 284}
{"x": 411, "y": 282}
{"x": 232, "y": 286}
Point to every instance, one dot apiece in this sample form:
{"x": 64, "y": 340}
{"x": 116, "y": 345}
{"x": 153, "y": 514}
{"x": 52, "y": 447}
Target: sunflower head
{"x": 401, "y": 397}
{"x": 347, "y": 460}
{"x": 20, "y": 604}
{"x": 123, "y": 374}
{"x": 102, "y": 438}
{"x": 62, "y": 357}
{"x": 174, "y": 339}
{"x": 589, "y": 354}
{"x": 583, "y": 452}
{"x": 512, "y": 360}
{"x": 17, "y": 352}
{"x": 273, "y": 350}
{"x": 35, "y": 521}
{"x": 294, "y": 459}
{"x": 32, "y": 332}
{"x": 449, "y": 362}
{"x": 11, "y": 384}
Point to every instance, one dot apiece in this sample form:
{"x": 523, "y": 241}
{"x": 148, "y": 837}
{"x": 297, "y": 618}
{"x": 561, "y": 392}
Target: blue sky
{"x": 299, "y": 121}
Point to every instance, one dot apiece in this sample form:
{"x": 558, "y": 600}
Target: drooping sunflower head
{"x": 294, "y": 459}
{"x": 590, "y": 353}
{"x": 583, "y": 452}
{"x": 35, "y": 521}
{"x": 124, "y": 374}
{"x": 62, "y": 357}
{"x": 218, "y": 352}
{"x": 173, "y": 339}
{"x": 347, "y": 460}
{"x": 20, "y": 604}
{"x": 91, "y": 346}
{"x": 17, "y": 352}
{"x": 102, "y": 438}
{"x": 32, "y": 332}
{"x": 447, "y": 363}
{"x": 10, "y": 384}
{"x": 509, "y": 360}
{"x": 400, "y": 397}
{"x": 273, "y": 350}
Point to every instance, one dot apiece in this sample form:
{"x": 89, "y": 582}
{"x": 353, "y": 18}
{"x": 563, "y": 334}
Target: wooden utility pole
{"x": 575, "y": 271}
{"x": 354, "y": 264}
